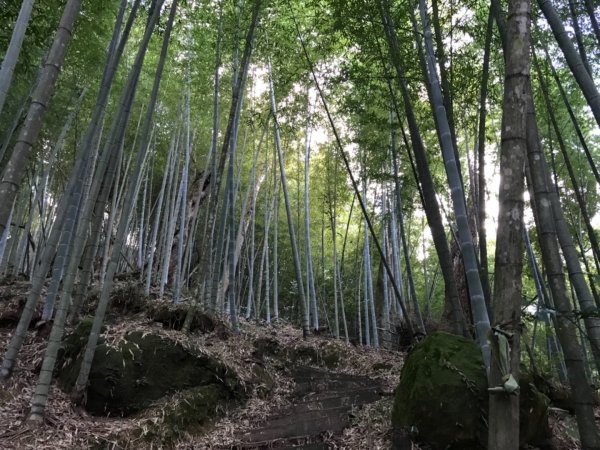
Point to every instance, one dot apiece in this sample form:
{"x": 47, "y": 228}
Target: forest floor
{"x": 67, "y": 426}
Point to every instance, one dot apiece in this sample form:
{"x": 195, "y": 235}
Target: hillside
{"x": 264, "y": 358}
{"x": 318, "y": 393}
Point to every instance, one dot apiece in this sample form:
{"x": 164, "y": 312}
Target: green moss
{"x": 440, "y": 392}
{"x": 69, "y": 356}
{"x": 188, "y": 411}
{"x": 143, "y": 368}
{"x": 73, "y": 342}
{"x": 443, "y": 394}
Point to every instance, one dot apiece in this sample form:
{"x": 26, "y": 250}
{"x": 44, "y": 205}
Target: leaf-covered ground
{"x": 69, "y": 427}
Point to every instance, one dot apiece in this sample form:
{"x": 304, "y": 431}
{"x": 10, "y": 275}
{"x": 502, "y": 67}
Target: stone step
{"x": 288, "y": 446}
{"x": 313, "y": 446}
{"x": 308, "y": 424}
{"x": 338, "y": 383}
{"x": 324, "y": 402}
{"x": 304, "y": 373}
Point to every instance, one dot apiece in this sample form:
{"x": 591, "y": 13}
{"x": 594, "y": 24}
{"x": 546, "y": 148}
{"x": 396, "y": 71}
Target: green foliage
{"x": 346, "y": 44}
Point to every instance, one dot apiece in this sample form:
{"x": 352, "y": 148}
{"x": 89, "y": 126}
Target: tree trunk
{"x": 337, "y": 293}
{"x": 91, "y": 248}
{"x": 254, "y": 193}
{"x": 231, "y": 130}
{"x": 14, "y": 48}
{"x": 17, "y": 165}
{"x": 581, "y": 75}
{"x": 385, "y": 313}
{"x": 581, "y": 391}
{"x": 574, "y": 119}
{"x": 310, "y": 276}
{"x": 128, "y": 207}
{"x": 589, "y": 7}
{"x": 288, "y": 210}
{"x": 183, "y": 219}
{"x": 206, "y": 244}
{"x": 504, "y": 407}
{"x": 572, "y": 176}
{"x": 84, "y": 163}
{"x": 430, "y": 203}
{"x": 370, "y": 297}
{"x": 152, "y": 248}
{"x": 579, "y": 37}
{"x": 277, "y": 182}
{"x": 18, "y": 119}
{"x": 170, "y": 221}
{"x": 399, "y": 216}
{"x": 355, "y": 187}
{"x": 479, "y": 309}
{"x": 481, "y": 183}
{"x": 553, "y": 351}
{"x": 267, "y": 221}
{"x": 366, "y": 299}
{"x": 86, "y": 189}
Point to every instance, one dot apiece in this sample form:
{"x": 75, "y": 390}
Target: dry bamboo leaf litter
{"x": 69, "y": 427}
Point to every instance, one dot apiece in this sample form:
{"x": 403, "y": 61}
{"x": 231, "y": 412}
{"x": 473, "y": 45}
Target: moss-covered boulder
{"x": 74, "y": 342}
{"x": 185, "y": 413}
{"x": 442, "y": 396}
{"x": 128, "y": 376}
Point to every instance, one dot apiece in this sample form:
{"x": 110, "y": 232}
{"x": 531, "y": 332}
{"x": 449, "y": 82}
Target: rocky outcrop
{"x": 131, "y": 374}
{"x": 443, "y": 399}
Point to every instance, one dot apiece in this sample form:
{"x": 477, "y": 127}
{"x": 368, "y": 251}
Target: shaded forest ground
{"x": 267, "y": 380}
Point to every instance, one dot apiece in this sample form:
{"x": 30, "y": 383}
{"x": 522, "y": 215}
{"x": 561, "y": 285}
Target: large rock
{"x": 442, "y": 396}
{"x": 128, "y": 376}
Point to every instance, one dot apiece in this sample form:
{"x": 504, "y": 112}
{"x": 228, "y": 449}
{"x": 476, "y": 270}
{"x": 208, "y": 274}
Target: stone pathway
{"x": 323, "y": 406}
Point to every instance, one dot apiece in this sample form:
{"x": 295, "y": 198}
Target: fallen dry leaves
{"x": 69, "y": 427}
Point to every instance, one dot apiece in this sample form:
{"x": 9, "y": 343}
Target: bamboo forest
{"x": 284, "y": 224}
